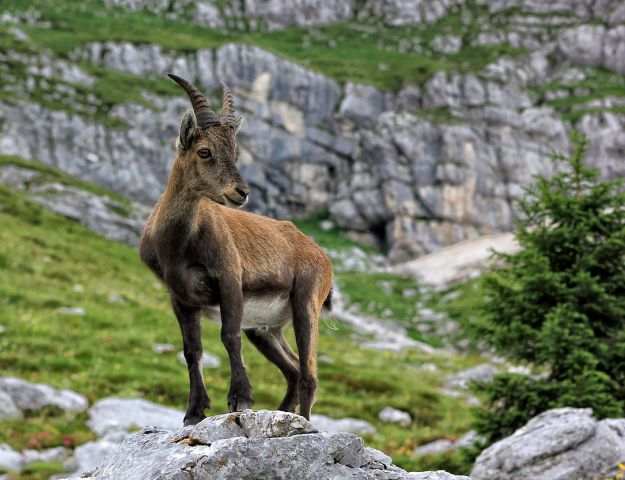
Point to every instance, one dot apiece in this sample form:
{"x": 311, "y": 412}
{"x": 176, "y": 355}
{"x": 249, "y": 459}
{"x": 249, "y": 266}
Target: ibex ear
{"x": 187, "y": 130}
{"x": 238, "y": 124}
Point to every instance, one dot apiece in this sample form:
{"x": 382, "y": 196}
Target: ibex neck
{"x": 179, "y": 202}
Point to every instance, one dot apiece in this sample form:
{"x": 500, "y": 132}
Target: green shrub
{"x": 558, "y": 304}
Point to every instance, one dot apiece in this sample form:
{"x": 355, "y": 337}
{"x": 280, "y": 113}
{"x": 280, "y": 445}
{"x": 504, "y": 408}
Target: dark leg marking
{"x": 275, "y": 348}
{"x": 231, "y": 306}
{"x": 240, "y": 393}
{"x": 305, "y": 319}
{"x": 189, "y": 320}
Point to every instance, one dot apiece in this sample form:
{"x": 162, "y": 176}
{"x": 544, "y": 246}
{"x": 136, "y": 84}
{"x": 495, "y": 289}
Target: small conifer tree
{"x": 559, "y": 303}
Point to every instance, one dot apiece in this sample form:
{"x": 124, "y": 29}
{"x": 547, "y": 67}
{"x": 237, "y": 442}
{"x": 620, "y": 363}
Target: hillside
{"x": 397, "y": 133}
{"x": 417, "y": 123}
{"x": 81, "y": 312}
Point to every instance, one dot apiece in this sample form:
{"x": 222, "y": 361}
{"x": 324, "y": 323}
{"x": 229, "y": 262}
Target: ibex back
{"x": 260, "y": 272}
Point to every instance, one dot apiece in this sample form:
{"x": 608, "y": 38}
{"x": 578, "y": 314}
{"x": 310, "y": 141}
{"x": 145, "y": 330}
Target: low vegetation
{"x": 575, "y": 98}
{"x": 558, "y": 305}
{"x": 48, "y": 173}
{"x": 366, "y": 51}
{"x": 49, "y": 262}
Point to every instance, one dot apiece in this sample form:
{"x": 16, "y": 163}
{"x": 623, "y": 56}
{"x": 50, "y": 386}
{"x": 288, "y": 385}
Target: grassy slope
{"x": 108, "y": 351}
{"x": 366, "y": 52}
{"x": 347, "y": 52}
{"x": 53, "y": 174}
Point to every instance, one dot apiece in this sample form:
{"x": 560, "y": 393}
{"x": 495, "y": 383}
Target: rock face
{"x": 100, "y": 213}
{"x": 251, "y": 445}
{"x": 559, "y": 444}
{"x": 410, "y": 12}
{"x": 259, "y": 14}
{"x": 279, "y": 14}
{"x": 383, "y": 165}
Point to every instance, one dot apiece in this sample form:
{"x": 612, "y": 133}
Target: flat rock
{"x": 253, "y": 445}
{"x": 163, "y": 347}
{"x": 54, "y": 454}
{"x": 9, "y": 458}
{"x": 73, "y": 311}
{"x": 445, "y": 445}
{"x": 434, "y": 448}
{"x": 393, "y": 415}
{"x": 8, "y": 409}
{"x": 342, "y": 425}
{"x": 480, "y": 373}
{"x": 33, "y": 396}
{"x": 558, "y": 444}
{"x": 250, "y": 424}
{"x": 458, "y": 262}
{"x": 122, "y": 414}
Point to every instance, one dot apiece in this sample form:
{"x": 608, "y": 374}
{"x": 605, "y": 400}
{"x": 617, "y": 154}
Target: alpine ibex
{"x": 261, "y": 273}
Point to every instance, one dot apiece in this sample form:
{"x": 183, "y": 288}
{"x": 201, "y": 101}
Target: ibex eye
{"x": 204, "y": 153}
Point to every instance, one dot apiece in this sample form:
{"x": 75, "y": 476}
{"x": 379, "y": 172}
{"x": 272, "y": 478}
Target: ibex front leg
{"x": 231, "y": 305}
{"x": 189, "y": 320}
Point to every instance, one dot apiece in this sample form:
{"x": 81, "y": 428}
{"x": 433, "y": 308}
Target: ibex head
{"x": 207, "y": 148}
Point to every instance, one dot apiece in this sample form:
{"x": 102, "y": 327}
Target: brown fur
{"x": 210, "y": 255}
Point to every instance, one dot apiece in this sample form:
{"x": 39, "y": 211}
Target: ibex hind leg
{"x": 274, "y": 347}
{"x": 305, "y": 323}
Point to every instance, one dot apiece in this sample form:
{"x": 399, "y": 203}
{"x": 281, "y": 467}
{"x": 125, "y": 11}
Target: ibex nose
{"x": 243, "y": 191}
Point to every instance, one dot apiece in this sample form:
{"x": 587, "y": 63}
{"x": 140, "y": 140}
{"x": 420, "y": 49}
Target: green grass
{"x": 47, "y": 428}
{"x": 108, "y": 351}
{"x": 368, "y": 53}
{"x": 332, "y": 239}
{"x": 598, "y": 84}
{"x": 463, "y": 303}
{"x": 38, "y": 471}
{"x": 382, "y": 295}
{"x": 110, "y": 88}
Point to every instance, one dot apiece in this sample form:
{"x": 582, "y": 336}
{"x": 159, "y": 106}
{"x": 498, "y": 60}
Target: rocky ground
{"x": 102, "y": 324}
{"x": 237, "y": 446}
{"x": 324, "y": 447}
{"x": 559, "y": 444}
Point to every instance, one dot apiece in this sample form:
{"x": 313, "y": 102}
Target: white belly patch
{"x": 266, "y": 311}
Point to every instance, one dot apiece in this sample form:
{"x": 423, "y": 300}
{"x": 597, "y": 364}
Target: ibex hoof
{"x": 239, "y": 406}
{"x": 194, "y": 420}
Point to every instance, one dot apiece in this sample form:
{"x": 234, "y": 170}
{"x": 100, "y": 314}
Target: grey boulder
{"x": 9, "y": 458}
{"x": 121, "y": 414}
{"x": 251, "y": 445}
{"x": 559, "y": 444}
{"x": 8, "y": 409}
{"x": 33, "y": 396}
{"x": 342, "y": 425}
{"x": 392, "y": 415}
{"x": 483, "y": 373}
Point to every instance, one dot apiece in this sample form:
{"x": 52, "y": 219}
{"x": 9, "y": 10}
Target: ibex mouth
{"x": 230, "y": 202}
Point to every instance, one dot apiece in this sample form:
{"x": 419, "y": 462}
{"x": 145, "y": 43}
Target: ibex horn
{"x": 203, "y": 113}
{"x": 227, "y": 109}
